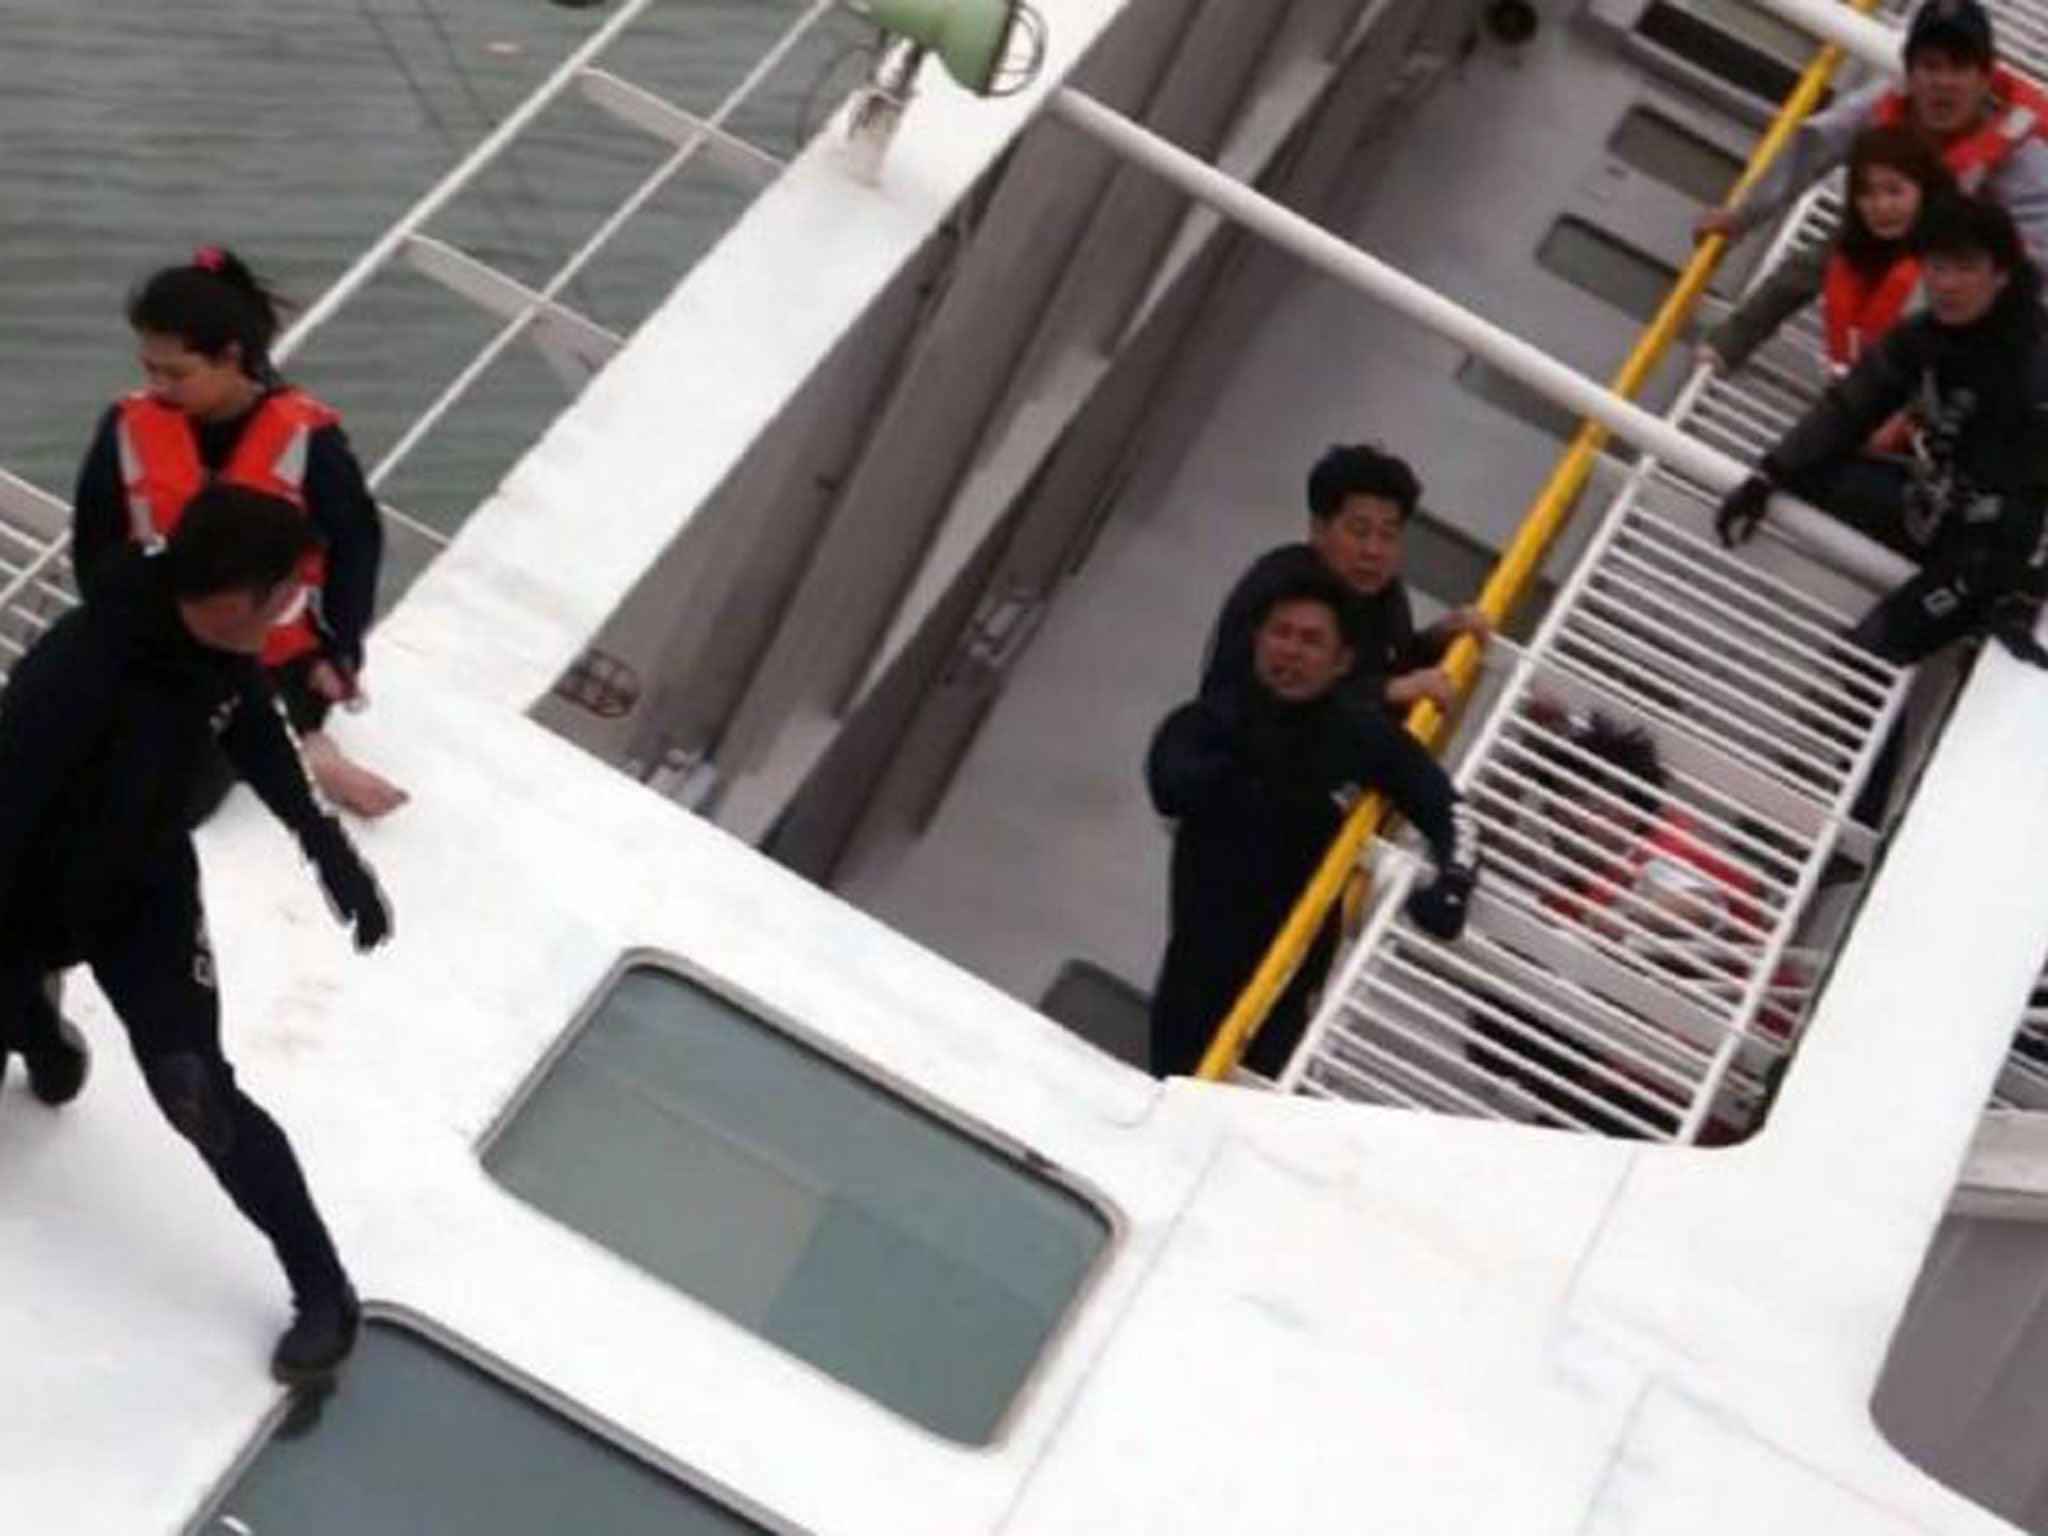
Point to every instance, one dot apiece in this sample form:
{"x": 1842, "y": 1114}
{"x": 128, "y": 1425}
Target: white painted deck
{"x": 1314, "y": 1317}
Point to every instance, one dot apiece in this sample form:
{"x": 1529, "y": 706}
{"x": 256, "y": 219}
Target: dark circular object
{"x": 1511, "y": 21}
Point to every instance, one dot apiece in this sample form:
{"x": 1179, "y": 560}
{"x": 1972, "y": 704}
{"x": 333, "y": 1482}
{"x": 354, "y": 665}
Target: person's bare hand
{"x": 1432, "y": 683}
{"x": 1714, "y": 221}
{"x": 1470, "y": 620}
{"x": 330, "y": 682}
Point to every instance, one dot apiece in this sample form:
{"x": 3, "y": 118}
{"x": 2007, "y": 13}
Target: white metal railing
{"x": 34, "y": 578}
{"x": 1583, "y": 996}
{"x": 1576, "y": 997}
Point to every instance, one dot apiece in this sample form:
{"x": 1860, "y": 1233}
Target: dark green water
{"x": 295, "y": 131}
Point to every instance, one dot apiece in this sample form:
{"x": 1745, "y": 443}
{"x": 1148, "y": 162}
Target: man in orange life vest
{"x": 1991, "y": 124}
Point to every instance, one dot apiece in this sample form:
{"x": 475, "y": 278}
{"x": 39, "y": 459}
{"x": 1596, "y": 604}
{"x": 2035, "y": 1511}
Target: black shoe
{"x": 57, "y": 1071}
{"x": 319, "y": 1339}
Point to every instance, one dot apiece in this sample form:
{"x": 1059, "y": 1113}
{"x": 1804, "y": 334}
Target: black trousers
{"x": 1201, "y": 979}
{"x": 156, "y": 968}
{"x": 1941, "y": 603}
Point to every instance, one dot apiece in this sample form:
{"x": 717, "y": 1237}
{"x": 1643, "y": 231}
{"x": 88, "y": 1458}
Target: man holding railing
{"x": 1971, "y": 375}
{"x": 1359, "y": 503}
{"x": 1258, "y": 777}
{"x": 1990, "y": 124}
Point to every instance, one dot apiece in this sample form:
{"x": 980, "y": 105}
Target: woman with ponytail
{"x": 214, "y": 409}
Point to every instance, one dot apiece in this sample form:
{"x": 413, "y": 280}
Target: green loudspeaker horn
{"x": 969, "y": 36}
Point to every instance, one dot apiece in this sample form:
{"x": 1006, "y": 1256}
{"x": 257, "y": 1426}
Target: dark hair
{"x": 1313, "y": 587}
{"x": 233, "y": 539}
{"x": 1961, "y": 224}
{"x": 211, "y": 303}
{"x": 1960, "y": 29}
{"x": 1896, "y": 147}
{"x": 1626, "y": 763}
{"x": 1361, "y": 470}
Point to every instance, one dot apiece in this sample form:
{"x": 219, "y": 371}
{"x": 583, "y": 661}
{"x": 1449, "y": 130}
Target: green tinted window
{"x": 418, "y": 1440}
{"x": 802, "y": 1201}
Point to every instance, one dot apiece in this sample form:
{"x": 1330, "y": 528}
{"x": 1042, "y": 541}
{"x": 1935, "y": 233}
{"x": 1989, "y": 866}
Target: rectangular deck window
{"x": 806, "y": 1203}
{"x": 1590, "y": 258}
{"x": 1733, "y": 40}
{"x": 420, "y": 1440}
{"x": 1652, "y": 143}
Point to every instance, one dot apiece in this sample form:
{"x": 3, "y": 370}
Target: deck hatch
{"x": 812, "y": 1206}
{"x": 419, "y": 1439}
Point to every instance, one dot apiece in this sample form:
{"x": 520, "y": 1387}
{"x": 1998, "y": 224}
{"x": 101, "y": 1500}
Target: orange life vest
{"x": 162, "y": 471}
{"x": 2021, "y": 114}
{"x": 1856, "y": 311}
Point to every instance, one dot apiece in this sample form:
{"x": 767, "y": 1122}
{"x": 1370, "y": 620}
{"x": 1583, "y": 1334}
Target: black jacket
{"x": 338, "y": 501}
{"x": 1978, "y": 395}
{"x": 1259, "y": 787}
{"x": 1387, "y": 643}
{"x": 107, "y": 728}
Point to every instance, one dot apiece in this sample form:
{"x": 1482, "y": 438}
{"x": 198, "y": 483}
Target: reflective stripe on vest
{"x": 1856, "y": 312}
{"x": 2022, "y": 112}
{"x": 161, "y": 471}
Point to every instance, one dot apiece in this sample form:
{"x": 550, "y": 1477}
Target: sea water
{"x": 295, "y": 131}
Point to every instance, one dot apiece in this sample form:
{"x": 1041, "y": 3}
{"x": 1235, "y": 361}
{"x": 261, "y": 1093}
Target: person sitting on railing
{"x": 1359, "y": 502}
{"x": 1988, "y": 121}
{"x": 1258, "y": 778}
{"x": 216, "y": 410}
{"x": 1867, "y": 280}
{"x": 1972, "y": 375}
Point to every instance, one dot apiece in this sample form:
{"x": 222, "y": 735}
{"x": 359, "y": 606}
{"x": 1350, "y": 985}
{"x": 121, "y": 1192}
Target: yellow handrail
{"x": 1505, "y": 586}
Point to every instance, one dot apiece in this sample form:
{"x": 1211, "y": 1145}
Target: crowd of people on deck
{"x": 227, "y": 547}
{"x": 1930, "y": 439}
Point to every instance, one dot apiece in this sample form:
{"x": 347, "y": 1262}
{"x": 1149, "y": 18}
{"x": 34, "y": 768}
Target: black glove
{"x": 1439, "y": 907}
{"x": 352, "y": 891}
{"x": 1736, "y": 519}
{"x": 2011, "y": 624}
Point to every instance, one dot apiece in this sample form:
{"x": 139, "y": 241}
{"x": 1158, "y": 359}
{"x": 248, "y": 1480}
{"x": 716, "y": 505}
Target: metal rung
{"x": 751, "y": 167}
{"x": 564, "y": 333}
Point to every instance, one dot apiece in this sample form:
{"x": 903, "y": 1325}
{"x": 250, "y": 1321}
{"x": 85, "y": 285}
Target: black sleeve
{"x": 1391, "y": 760}
{"x": 58, "y": 703}
{"x": 266, "y": 756}
{"x": 339, "y": 501}
{"x": 1854, "y": 407}
{"x": 1228, "y": 665}
{"x": 1196, "y": 766}
{"x": 1419, "y": 648}
{"x": 99, "y": 505}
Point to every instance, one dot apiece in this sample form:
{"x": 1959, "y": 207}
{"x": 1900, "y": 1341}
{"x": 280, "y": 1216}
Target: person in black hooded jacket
{"x": 1967, "y": 504}
{"x": 106, "y": 726}
{"x": 1970, "y": 504}
{"x": 1258, "y": 778}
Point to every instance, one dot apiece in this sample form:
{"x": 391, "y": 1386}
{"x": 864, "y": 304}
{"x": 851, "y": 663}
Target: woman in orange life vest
{"x": 215, "y": 409}
{"x": 1868, "y": 279}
